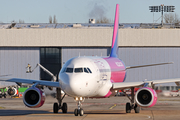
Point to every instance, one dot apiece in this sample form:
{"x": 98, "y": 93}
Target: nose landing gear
{"x": 79, "y": 110}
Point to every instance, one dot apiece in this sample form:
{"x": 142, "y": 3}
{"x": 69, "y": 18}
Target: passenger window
{"x": 85, "y": 70}
{"x": 78, "y": 70}
{"x": 69, "y": 70}
{"x": 89, "y": 70}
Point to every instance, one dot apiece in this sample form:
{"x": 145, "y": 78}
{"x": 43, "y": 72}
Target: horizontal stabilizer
{"x": 138, "y": 66}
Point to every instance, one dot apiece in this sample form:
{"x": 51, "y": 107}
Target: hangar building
{"x": 52, "y": 45}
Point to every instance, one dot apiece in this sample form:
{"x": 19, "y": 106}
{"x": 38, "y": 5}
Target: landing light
{"x": 79, "y": 99}
{"x": 76, "y": 99}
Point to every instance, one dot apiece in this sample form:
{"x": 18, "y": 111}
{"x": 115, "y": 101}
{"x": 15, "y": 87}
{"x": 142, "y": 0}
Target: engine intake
{"x": 12, "y": 91}
{"x": 34, "y": 97}
{"x": 146, "y": 97}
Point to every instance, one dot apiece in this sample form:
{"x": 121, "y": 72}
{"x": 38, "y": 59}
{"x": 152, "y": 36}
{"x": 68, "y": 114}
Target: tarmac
{"x": 113, "y": 108}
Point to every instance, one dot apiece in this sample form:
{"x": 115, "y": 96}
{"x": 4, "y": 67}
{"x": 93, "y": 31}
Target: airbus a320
{"x": 94, "y": 77}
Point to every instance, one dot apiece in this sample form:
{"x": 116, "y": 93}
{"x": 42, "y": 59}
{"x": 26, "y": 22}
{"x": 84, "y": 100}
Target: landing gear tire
{"x": 76, "y": 112}
{"x": 64, "y": 108}
{"x": 136, "y": 108}
{"x": 81, "y": 112}
{"x": 59, "y": 105}
{"x": 128, "y": 107}
{"x": 55, "y": 108}
{"x": 4, "y": 95}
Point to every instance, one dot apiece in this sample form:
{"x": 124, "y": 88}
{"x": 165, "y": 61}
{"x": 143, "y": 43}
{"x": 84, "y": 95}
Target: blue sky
{"x": 79, "y": 11}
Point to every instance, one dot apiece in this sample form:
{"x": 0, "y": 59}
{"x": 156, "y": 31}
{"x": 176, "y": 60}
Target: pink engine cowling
{"x": 34, "y": 97}
{"x": 146, "y": 97}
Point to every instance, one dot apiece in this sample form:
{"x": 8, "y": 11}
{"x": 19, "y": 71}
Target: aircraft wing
{"x": 30, "y": 81}
{"x": 124, "y": 85}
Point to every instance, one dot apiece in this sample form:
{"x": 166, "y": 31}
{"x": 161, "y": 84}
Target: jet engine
{"x": 34, "y": 97}
{"x": 146, "y": 97}
{"x": 12, "y": 91}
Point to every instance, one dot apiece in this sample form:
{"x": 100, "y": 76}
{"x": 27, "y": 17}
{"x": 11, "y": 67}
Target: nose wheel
{"x": 79, "y": 111}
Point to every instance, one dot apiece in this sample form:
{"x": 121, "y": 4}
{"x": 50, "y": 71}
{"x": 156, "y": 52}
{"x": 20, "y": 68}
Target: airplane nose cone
{"x": 74, "y": 85}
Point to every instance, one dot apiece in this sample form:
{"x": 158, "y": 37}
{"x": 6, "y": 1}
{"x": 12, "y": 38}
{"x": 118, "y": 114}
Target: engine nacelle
{"x": 34, "y": 97}
{"x": 146, "y": 97}
{"x": 12, "y": 91}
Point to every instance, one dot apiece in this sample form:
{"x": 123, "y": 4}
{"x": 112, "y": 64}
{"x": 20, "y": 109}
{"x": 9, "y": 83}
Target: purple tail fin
{"x": 114, "y": 47}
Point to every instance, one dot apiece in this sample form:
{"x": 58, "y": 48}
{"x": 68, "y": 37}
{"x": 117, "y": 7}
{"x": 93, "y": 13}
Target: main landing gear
{"x": 131, "y": 105}
{"x": 3, "y": 94}
{"x": 59, "y": 105}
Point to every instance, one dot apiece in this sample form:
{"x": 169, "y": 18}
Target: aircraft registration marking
{"x": 119, "y": 64}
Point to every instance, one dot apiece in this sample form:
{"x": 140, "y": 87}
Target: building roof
{"x": 79, "y": 25}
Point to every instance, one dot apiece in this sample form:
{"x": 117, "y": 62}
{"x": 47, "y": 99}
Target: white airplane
{"x": 94, "y": 77}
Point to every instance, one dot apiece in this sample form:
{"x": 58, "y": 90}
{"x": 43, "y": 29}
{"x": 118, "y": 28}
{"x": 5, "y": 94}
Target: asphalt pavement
{"x": 113, "y": 108}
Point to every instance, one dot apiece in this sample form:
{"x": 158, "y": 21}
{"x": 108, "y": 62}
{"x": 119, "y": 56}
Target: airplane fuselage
{"x": 91, "y": 76}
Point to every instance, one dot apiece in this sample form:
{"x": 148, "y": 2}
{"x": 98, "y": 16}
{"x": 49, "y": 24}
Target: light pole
{"x": 161, "y": 9}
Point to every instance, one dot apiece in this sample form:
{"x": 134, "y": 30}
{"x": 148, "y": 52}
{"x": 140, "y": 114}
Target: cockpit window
{"x": 69, "y": 70}
{"x": 78, "y": 70}
{"x": 85, "y": 70}
{"x": 89, "y": 70}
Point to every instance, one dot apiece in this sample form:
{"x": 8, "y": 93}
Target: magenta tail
{"x": 114, "y": 47}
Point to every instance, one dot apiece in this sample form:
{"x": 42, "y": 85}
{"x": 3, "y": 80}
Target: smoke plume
{"x": 98, "y": 11}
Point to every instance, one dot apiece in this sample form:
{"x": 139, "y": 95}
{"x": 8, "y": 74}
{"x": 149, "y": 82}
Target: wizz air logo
{"x": 119, "y": 64}
{"x": 99, "y": 63}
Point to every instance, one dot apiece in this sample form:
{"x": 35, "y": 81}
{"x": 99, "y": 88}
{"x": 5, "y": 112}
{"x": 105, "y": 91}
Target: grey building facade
{"x": 14, "y": 60}
{"x": 53, "y": 47}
